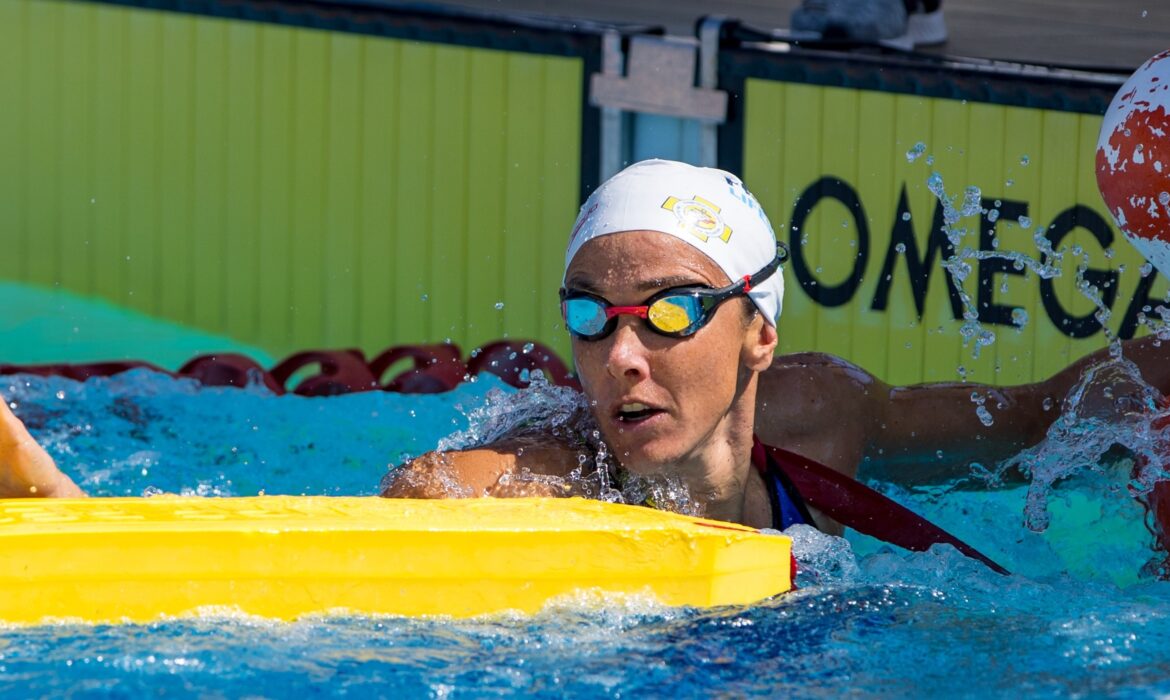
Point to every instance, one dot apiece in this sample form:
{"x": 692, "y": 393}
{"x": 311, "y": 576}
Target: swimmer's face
{"x": 659, "y": 400}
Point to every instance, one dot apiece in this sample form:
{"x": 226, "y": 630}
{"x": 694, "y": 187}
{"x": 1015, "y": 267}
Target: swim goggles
{"x": 676, "y": 312}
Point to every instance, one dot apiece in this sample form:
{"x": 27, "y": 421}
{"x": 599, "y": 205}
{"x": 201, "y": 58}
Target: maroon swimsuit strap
{"x": 856, "y": 505}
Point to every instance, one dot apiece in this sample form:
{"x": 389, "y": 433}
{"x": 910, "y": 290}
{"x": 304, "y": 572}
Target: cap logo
{"x": 698, "y": 217}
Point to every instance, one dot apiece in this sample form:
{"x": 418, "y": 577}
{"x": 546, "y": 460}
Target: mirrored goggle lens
{"x": 675, "y": 314}
{"x": 584, "y": 316}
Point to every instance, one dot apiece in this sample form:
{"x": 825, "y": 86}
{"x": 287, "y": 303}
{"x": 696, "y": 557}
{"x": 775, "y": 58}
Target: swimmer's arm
{"x": 920, "y": 421}
{"x": 25, "y": 468}
{"x": 484, "y": 471}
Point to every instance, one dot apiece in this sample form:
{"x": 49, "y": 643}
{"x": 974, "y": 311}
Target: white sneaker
{"x": 926, "y": 28}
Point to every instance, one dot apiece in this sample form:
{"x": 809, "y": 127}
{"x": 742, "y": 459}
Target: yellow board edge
{"x": 137, "y": 559}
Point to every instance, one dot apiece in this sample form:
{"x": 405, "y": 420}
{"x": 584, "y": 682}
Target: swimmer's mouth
{"x": 636, "y": 412}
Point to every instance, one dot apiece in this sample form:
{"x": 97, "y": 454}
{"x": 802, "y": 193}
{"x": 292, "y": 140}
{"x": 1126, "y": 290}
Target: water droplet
{"x": 905, "y": 216}
{"x": 60, "y": 395}
{"x": 1024, "y": 160}
{"x": 527, "y": 348}
{"x": 900, "y": 247}
{"x": 1009, "y": 183}
{"x": 915, "y": 153}
{"x": 1048, "y": 403}
{"x": 984, "y": 416}
{"x": 992, "y": 215}
{"x": 1019, "y": 317}
{"x": 424, "y": 297}
{"x": 1025, "y": 222}
{"x": 499, "y": 305}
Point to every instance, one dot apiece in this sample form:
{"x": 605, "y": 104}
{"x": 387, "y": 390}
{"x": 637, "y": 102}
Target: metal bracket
{"x": 660, "y": 79}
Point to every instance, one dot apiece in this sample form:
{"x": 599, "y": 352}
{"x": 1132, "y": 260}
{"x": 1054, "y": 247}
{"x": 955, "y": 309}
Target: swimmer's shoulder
{"x": 817, "y": 381}
{"x": 479, "y": 472}
{"x": 820, "y": 406}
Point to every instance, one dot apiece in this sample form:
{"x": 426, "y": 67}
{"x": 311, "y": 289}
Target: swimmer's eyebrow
{"x": 669, "y": 282}
{"x": 651, "y": 285}
{"x": 581, "y": 285}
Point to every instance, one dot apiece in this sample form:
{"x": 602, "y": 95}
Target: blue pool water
{"x": 1074, "y": 620}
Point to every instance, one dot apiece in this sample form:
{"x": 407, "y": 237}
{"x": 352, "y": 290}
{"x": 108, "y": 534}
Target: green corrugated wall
{"x": 287, "y": 187}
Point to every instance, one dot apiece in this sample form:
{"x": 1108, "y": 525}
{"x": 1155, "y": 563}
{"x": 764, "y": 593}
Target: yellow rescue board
{"x": 135, "y": 559}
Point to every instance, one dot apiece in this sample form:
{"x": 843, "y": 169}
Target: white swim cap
{"x": 708, "y": 208}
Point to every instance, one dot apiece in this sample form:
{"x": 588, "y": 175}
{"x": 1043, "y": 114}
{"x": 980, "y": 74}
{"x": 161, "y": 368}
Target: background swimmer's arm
{"x": 25, "y": 468}
{"x": 491, "y": 470}
{"x": 925, "y": 419}
{"x": 837, "y": 413}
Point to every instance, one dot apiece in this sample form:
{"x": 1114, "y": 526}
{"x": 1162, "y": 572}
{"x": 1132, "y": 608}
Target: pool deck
{"x": 1113, "y": 34}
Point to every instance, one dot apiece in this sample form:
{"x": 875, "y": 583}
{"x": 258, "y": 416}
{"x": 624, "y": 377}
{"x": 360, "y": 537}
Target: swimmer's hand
{"x": 503, "y": 470}
{"x": 25, "y": 468}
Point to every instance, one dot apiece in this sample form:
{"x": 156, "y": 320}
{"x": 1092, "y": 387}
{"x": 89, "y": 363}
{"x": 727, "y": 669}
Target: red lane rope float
{"x": 430, "y": 369}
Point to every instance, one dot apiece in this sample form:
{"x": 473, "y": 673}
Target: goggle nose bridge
{"x": 639, "y": 311}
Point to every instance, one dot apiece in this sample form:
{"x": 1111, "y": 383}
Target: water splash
{"x": 1112, "y": 421}
{"x": 544, "y": 413}
{"x": 960, "y": 265}
{"x": 1112, "y": 424}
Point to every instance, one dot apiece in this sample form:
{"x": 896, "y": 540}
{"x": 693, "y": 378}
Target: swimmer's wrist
{"x": 64, "y": 487}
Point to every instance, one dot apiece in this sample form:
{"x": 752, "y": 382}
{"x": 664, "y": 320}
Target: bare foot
{"x": 26, "y": 470}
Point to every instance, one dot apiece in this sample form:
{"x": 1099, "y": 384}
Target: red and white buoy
{"x": 1133, "y": 160}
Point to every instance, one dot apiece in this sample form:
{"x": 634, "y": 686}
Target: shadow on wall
{"x": 39, "y": 325}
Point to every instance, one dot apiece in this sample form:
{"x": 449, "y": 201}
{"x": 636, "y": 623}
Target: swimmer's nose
{"x": 627, "y": 357}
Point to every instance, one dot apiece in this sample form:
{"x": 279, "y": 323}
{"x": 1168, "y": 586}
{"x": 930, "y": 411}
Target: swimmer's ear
{"x": 759, "y": 344}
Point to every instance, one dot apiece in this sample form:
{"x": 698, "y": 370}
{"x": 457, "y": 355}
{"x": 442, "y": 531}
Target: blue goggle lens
{"x": 585, "y": 316}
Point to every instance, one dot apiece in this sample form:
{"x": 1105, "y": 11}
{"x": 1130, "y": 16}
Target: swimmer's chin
{"x": 648, "y": 462}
